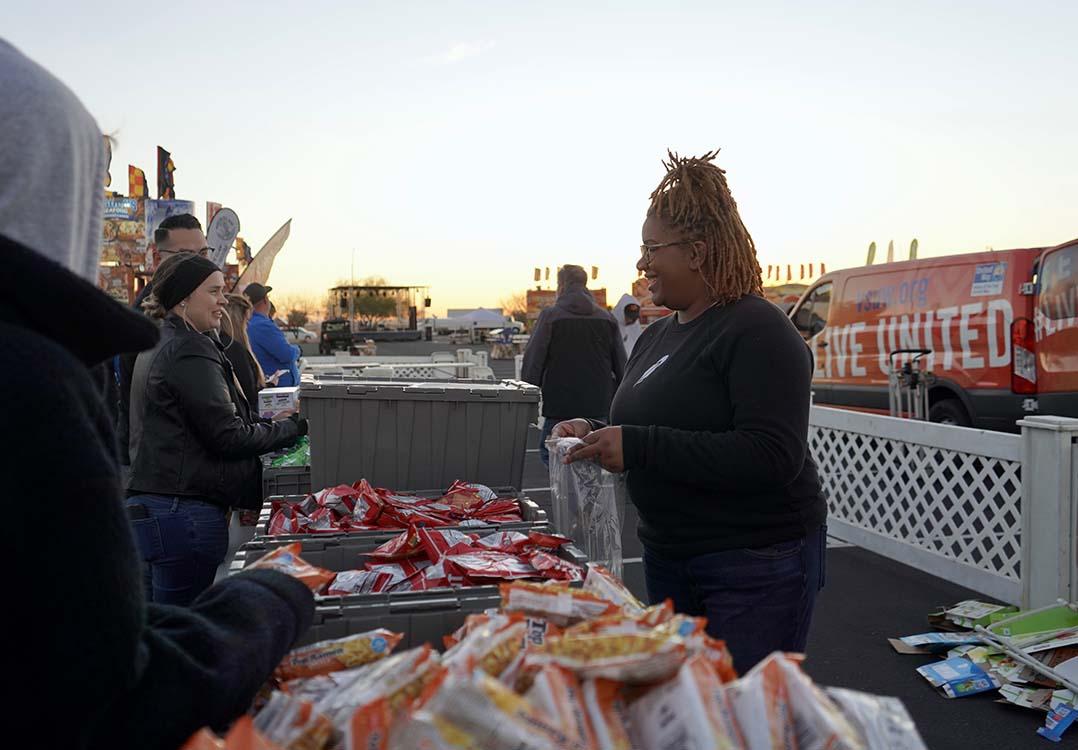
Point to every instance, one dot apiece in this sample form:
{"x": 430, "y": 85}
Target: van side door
{"x": 1056, "y": 331}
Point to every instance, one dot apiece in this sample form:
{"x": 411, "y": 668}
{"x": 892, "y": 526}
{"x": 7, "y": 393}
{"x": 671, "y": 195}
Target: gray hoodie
{"x": 52, "y": 163}
{"x": 630, "y": 332}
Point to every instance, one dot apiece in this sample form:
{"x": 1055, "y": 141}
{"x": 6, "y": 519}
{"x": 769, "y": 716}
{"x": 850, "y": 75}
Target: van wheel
{"x": 949, "y": 411}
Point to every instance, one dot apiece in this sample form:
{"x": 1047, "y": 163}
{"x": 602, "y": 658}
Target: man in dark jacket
{"x": 177, "y": 234}
{"x": 108, "y": 670}
{"x": 575, "y": 355}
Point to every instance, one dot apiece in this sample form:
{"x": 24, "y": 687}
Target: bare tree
{"x": 515, "y": 306}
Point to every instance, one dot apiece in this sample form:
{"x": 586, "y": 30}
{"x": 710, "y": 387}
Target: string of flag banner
{"x": 774, "y": 271}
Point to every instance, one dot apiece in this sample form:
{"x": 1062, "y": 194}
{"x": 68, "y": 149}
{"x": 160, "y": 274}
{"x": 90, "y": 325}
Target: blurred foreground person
{"x": 107, "y": 669}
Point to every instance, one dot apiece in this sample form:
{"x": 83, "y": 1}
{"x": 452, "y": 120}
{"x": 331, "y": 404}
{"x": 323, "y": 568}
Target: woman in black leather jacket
{"x": 195, "y": 442}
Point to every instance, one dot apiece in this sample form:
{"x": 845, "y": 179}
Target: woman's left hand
{"x": 603, "y": 445}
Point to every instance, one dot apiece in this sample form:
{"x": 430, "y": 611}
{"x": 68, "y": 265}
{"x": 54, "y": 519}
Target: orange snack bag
{"x": 607, "y": 714}
{"x": 633, "y": 658}
{"x": 761, "y": 706}
{"x": 479, "y": 706}
{"x": 244, "y": 736}
{"x": 341, "y": 653}
{"x": 555, "y": 602}
{"x": 557, "y": 692}
{"x": 686, "y": 711}
{"x": 204, "y": 739}
{"x": 286, "y": 559}
{"x": 604, "y": 584}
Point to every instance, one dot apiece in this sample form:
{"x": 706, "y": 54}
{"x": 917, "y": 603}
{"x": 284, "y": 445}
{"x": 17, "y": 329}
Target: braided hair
{"x": 694, "y": 198}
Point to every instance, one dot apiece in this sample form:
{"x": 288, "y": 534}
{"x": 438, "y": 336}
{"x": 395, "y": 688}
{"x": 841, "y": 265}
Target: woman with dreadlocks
{"x": 711, "y": 426}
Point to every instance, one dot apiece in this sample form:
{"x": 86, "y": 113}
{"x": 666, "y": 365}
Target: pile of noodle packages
{"x": 558, "y": 666}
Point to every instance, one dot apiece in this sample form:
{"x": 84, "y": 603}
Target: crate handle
{"x": 424, "y": 605}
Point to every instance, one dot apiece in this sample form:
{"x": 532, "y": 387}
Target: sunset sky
{"x": 461, "y": 144}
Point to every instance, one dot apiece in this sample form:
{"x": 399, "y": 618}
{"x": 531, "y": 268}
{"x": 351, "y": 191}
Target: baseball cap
{"x": 256, "y": 292}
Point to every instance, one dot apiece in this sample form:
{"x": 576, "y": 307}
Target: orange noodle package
{"x": 607, "y": 714}
{"x": 554, "y": 601}
{"x": 558, "y": 693}
{"x": 386, "y": 687}
{"x": 602, "y": 582}
{"x": 818, "y": 722}
{"x": 293, "y": 724}
{"x": 479, "y": 707}
{"x": 634, "y": 658}
{"x": 286, "y": 559}
{"x": 242, "y": 736}
{"x": 338, "y": 654}
{"x": 761, "y": 706}
{"x": 490, "y": 648}
{"x": 686, "y": 711}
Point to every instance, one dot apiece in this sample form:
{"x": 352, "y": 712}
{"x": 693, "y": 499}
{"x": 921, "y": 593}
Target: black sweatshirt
{"x": 106, "y": 669}
{"x": 714, "y": 417}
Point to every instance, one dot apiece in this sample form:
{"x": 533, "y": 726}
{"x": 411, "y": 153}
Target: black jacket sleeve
{"x": 198, "y": 381}
{"x": 121, "y": 673}
{"x": 535, "y": 355}
{"x": 768, "y": 375}
{"x": 203, "y": 664}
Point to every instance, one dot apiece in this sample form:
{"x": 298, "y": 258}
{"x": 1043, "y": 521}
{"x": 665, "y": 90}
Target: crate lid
{"x": 433, "y": 390}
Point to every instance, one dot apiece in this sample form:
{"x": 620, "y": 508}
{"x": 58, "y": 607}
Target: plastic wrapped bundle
{"x": 585, "y": 504}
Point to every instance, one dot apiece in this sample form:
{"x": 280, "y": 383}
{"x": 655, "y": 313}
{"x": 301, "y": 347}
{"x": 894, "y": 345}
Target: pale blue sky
{"x": 461, "y": 144}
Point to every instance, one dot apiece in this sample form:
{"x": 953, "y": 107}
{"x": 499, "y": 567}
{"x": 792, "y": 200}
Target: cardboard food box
{"x": 277, "y": 403}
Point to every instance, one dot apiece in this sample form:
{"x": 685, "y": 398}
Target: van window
{"x": 1058, "y": 281}
{"x": 811, "y": 317}
{"x": 821, "y": 306}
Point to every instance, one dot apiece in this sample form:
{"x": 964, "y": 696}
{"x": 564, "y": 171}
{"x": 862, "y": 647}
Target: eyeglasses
{"x": 646, "y": 251}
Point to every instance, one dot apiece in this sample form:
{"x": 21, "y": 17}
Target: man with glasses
{"x": 181, "y": 233}
{"x": 574, "y": 354}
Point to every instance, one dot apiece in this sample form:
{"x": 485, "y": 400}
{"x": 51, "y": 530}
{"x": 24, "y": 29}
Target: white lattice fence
{"x": 944, "y": 499}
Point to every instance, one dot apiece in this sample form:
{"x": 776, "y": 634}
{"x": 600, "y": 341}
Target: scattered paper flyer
{"x": 959, "y": 677}
{"x": 971, "y": 613}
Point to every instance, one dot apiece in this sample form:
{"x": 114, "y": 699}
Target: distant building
{"x": 466, "y": 311}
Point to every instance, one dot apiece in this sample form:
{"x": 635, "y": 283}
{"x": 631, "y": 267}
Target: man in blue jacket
{"x": 271, "y": 348}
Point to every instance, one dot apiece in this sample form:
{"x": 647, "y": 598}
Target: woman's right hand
{"x": 577, "y": 428}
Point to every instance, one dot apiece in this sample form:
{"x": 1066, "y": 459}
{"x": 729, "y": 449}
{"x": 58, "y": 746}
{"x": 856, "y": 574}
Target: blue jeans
{"x": 757, "y": 600}
{"x": 182, "y": 540}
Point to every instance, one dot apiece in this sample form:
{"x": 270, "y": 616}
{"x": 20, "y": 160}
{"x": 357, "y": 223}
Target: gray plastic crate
{"x": 418, "y": 434}
{"x": 533, "y": 517}
{"x": 376, "y": 610}
{"x": 286, "y": 480}
{"x": 420, "y": 616}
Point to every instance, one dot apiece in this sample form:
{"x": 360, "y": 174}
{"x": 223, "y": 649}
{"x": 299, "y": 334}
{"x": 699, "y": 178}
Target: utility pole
{"x": 352, "y": 294}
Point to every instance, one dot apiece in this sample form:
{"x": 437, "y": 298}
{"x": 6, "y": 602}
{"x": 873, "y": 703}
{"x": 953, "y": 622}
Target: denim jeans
{"x": 182, "y": 540}
{"x": 757, "y": 600}
{"x": 549, "y": 423}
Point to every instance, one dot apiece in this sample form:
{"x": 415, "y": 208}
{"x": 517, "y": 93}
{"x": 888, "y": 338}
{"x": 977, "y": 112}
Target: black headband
{"x": 185, "y": 278}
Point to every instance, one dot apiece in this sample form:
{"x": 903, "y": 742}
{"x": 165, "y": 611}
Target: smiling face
{"x": 673, "y": 271}
{"x": 205, "y": 307}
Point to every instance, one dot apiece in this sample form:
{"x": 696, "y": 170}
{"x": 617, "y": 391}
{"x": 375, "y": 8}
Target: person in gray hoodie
{"x": 105, "y": 668}
{"x": 627, "y": 313}
{"x": 575, "y": 355}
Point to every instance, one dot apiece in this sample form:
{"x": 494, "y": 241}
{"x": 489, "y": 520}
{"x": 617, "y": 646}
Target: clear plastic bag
{"x": 585, "y": 500}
